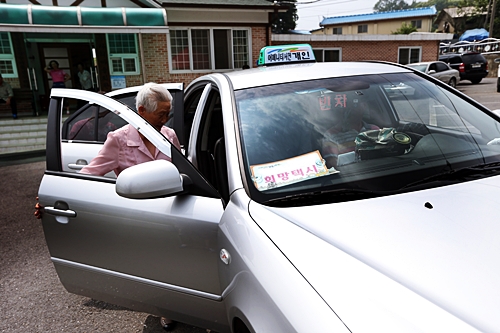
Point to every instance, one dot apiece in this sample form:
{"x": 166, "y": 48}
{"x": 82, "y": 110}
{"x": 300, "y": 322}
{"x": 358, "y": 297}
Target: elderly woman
{"x": 126, "y": 147}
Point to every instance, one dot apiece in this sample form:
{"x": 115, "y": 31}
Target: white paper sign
{"x": 293, "y": 170}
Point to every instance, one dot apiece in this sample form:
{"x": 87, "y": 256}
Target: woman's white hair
{"x": 149, "y": 96}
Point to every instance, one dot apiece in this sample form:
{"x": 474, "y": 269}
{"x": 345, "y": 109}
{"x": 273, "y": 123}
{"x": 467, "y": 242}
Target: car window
{"x": 473, "y": 58}
{"x": 440, "y": 67}
{"x": 375, "y": 133}
{"x": 90, "y": 122}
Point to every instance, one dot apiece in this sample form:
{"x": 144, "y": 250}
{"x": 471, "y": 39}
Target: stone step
{"x": 22, "y": 141}
{"x": 20, "y": 134}
{"x": 22, "y": 148}
{"x": 23, "y": 134}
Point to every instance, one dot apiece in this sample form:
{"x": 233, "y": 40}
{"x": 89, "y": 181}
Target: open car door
{"x": 156, "y": 255}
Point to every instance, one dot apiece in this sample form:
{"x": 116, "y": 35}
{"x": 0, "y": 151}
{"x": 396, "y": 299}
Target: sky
{"x": 311, "y": 12}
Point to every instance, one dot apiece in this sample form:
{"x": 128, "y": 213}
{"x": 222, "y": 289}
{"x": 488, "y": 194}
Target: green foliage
{"x": 283, "y": 22}
{"x": 440, "y": 4}
{"x": 405, "y": 29}
{"x": 388, "y": 5}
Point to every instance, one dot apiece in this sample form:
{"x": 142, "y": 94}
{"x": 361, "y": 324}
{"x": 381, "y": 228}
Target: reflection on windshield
{"x": 374, "y": 132}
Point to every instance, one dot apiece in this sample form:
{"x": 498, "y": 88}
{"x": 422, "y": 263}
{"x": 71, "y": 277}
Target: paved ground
{"x": 31, "y": 297}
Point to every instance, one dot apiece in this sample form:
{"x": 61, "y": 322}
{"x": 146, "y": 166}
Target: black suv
{"x": 472, "y": 66}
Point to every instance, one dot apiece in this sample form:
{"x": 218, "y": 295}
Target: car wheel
{"x": 475, "y": 81}
{"x": 498, "y": 84}
{"x": 453, "y": 82}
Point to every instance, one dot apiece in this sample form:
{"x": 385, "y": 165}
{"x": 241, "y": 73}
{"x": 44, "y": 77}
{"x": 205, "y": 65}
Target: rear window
{"x": 473, "y": 58}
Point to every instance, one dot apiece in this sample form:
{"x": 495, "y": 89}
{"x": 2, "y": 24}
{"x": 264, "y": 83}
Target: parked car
{"x": 439, "y": 70}
{"x": 472, "y": 66}
{"x": 253, "y": 230}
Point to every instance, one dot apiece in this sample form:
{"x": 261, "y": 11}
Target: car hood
{"x": 425, "y": 261}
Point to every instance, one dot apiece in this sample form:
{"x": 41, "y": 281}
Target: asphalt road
{"x": 31, "y": 296}
{"x": 484, "y": 92}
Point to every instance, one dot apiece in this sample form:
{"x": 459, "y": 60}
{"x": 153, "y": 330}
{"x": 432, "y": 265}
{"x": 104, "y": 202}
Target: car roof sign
{"x": 283, "y": 54}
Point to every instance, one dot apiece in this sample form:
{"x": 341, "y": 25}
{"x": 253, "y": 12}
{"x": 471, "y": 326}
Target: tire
{"x": 475, "y": 81}
{"x": 498, "y": 84}
{"x": 453, "y": 82}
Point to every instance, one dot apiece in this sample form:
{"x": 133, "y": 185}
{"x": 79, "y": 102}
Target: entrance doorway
{"x": 68, "y": 56}
{"x": 68, "y": 50}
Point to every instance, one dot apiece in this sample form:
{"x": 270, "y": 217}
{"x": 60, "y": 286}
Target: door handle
{"x": 80, "y": 163}
{"x": 29, "y": 78}
{"x": 61, "y": 211}
{"x": 74, "y": 166}
{"x": 34, "y": 79}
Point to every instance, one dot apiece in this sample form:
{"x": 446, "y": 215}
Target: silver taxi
{"x": 310, "y": 197}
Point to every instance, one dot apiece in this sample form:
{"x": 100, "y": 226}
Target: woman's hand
{"x": 38, "y": 209}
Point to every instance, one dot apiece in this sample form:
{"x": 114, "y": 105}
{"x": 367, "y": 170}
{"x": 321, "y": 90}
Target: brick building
{"x": 127, "y": 43}
{"x": 401, "y": 49}
{"x": 161, "y": 41}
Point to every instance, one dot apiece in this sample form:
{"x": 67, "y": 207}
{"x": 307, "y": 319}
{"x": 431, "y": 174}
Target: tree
{"x": 283, "y": 22}
{"x": 405, "y": 29}
{"x": 440, "y": 4}
{"x": 388, "y": 5}
{"x": 478, "y": 18}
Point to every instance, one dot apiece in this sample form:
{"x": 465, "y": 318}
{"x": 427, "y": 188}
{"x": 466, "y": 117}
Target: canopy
{"x": 39, "y": 18}
{"x": 474, "y": 35}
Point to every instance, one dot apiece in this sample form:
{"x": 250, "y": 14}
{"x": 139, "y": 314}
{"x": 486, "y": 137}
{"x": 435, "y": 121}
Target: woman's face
{"x": 159, "y": 117}
{"x": 54, "y": 65}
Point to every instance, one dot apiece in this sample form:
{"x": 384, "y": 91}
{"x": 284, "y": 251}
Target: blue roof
{"x": 394, "y": 14}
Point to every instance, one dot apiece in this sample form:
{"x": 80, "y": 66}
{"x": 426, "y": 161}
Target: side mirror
{"x": 149, "y": 180}
{"x": 431, "y": 72}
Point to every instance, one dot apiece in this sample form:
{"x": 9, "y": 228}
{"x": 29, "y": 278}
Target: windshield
{"x": 421, "y": 68}
{"x": 373, "y": 133}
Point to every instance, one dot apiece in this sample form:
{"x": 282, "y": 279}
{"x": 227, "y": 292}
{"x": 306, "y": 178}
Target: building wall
{"x": 376, "y": 50}
{"x": 377, "y": 27}
{"x": 156, "y": 59}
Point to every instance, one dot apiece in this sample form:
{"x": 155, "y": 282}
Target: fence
{"x": 485, "y": 46}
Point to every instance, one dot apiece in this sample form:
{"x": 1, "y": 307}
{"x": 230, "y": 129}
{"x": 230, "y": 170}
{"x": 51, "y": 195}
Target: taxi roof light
{"x": 285, "y": 54}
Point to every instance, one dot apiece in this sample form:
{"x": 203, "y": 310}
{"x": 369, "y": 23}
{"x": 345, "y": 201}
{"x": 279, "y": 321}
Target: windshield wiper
{"x": 322, "y": 197}
{"x": 464, "y": 174}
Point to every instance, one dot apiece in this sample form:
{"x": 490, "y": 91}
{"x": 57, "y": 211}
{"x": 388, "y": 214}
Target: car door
{"x": 153, "y": 255}
{"x": 444, "y": 72}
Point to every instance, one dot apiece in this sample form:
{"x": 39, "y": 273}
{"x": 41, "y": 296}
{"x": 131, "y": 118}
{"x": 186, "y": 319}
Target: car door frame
{"x": 199, "y": 308}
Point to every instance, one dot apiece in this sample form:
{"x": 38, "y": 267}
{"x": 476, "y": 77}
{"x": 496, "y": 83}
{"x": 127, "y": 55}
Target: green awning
{"x": 81, "y": 17}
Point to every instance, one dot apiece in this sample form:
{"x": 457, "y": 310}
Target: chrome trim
{"x": 154, "y": 283}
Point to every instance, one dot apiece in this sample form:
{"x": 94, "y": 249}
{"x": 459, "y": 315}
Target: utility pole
{"x": 492, "y": 18}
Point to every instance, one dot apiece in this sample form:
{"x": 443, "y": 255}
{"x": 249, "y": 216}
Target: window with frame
{"x": 417, "y": 24}
{"x": 123, "y": 54}
{"x": 328, "y": 55}
{"x": 362, "y": 28}
{"x": 337, "y": 31}
{"x": 408, "y": 55}
{"x": 8, "y": 66}
{"x": 203, "y": 49}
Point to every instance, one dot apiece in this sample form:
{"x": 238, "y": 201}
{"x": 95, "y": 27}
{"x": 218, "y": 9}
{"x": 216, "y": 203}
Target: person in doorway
{"x": 84, "y": 77}
{"x": 59, "y": 77}
{"x": 7, "y": 96}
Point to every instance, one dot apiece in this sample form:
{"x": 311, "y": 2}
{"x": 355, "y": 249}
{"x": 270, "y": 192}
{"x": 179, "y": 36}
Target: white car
{"x": 311, "y": 197}
{"x": 439, "y": 70}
